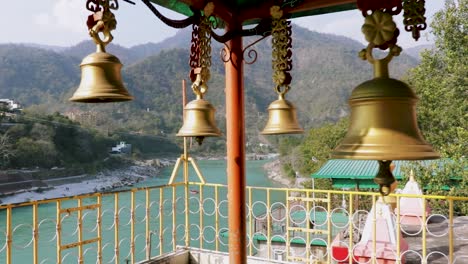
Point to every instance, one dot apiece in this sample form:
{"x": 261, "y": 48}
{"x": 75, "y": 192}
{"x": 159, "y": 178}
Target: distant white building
{"x": 122, "y": 148}
{"x": 10, "y": 104}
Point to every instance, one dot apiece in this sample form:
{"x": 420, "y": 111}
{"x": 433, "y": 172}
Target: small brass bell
{"x": 199, "y": 120}
{"x": 101, "y": 81}
{"x": 282, "y": 118}
{"x": 199, "y": 115}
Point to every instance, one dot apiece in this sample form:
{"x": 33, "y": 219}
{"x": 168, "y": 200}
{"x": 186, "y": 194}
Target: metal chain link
{"x": 281, "y": 51}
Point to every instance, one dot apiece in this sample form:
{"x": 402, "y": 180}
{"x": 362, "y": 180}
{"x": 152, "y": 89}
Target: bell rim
{"x": 89, "y": 99}
{"x": 408, "y": 155}
{"x": 281, "y": 132}
{"x": 181, "y": 134}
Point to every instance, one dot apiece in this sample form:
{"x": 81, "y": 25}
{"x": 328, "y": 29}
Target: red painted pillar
{"x": 235, "y": 135}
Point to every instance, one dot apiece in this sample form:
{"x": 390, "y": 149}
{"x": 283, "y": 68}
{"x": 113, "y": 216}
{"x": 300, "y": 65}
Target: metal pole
{"x": 235, "y": 137}
{"x": 186, "y": 172}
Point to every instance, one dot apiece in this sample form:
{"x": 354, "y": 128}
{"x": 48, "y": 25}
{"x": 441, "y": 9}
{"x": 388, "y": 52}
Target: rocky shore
{"x": 275, "y": 173}
{"x": 106, "y": 180}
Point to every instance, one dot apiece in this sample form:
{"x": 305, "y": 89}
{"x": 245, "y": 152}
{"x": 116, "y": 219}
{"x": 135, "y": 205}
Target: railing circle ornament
{"x": 446, "y": 221}
{"x": 298, "y": 238}
{"x": 313, "y": 216}
{"x": 151, "y": 206}
{"x": 265, "y": 213}
{"x": 5, "y": 242}
{"x": 170, "y": 211}
{"x": 220, "y": 206}
{"x": 135, "y": 239}
{"x": 222, "y": 230}
{"x": 70, "y": 254}
{"x": 44, "y": 221}
{"x": 177, "y": 203}
{"x": 154, "y": 233}
{"x": 357, "y": 215}
{"x": 402, "y": 227}
{"x": 300, "y": 208}
{"x": 313, "y": 257}
{"x": 28, "y": 243}
{"x": 402, "y": 254}
{"x": 345, "y": 212}
{"x": 129, "y": 214}
{"x": 274, "y": 207}
{"x": 433, "y": 253}
{"x": 108, "y": 244}
{"x": 197, "y": 201}
{"x": 281, "y": 249}
{"x": 214, "y": 206}
{"x": 46, "y": 260}
{"x": 205, "y": 232}
{"x": 199, "y": 234}
{"x": 180, "y": 228}
{"x": 129, "y": 246}
{"x": 83, "y": 219}
{"x": 63, "y": 219}
{"x": 136, "y": 214}
{"x": 103, "y": 213}
{"x": 339, "y": 243}
{"x": 358, "y": 261}
{"x": 257, "y": 235}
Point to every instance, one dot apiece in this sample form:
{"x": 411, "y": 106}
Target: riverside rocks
{"x": 275, "y": 172}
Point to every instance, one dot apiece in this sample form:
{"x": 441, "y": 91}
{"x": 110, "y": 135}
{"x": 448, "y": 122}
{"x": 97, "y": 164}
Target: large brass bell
{"x": 383, "y": 124}
{"x": 282, "y": 118}
{"x": 101, "y": 81}
{"x": 199, "y": 116}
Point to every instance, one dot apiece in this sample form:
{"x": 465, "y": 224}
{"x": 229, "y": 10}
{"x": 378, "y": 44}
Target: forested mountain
{"x": 325, "y": 70}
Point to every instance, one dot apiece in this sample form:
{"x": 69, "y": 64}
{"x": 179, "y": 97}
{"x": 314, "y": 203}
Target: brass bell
{"x": 383, "y": 124}
{"x": 199, "y": 120}
{"x": 101, "y": 80}
{"x": 282, "y": 118}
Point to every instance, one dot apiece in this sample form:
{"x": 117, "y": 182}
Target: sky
{"x": 63, "y": 23}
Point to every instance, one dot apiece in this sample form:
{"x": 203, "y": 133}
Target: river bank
{"x": 105, "y": 180}
{"x": 275, "y": 173}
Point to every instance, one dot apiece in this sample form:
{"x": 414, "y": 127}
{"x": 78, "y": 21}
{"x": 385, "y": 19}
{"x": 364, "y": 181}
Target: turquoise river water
{"x": 207, "y": 219}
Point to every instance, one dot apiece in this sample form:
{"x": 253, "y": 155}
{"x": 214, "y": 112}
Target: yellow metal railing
{"x": 297, "y": 225}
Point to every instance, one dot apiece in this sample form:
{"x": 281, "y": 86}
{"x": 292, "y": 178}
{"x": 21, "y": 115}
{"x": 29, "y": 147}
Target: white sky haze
{"x": 62, "y": 23}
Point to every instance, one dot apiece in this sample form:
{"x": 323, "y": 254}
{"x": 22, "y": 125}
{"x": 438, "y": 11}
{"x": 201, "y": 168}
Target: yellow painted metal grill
{"x": 296, "y": 225}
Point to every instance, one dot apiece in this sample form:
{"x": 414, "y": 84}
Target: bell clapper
{"x": 384, "y": 177}
{"x": 199, "y": 140}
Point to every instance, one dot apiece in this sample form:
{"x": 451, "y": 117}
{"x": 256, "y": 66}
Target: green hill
{"x": 326, "y": 68}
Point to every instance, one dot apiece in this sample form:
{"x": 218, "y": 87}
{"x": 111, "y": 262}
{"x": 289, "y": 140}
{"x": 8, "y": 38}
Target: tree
{"x": 6, "y": 150}
{"x": 319, "y": 143}
{"x": 440, "y": 81}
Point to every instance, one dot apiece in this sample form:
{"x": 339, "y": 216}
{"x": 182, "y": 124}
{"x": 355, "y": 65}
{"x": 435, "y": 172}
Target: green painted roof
{"x": 347, "y": 174}
{"x": 182, "y": 7}
{"x": 352, "y": 184}
{"x": 358, "y": 169}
